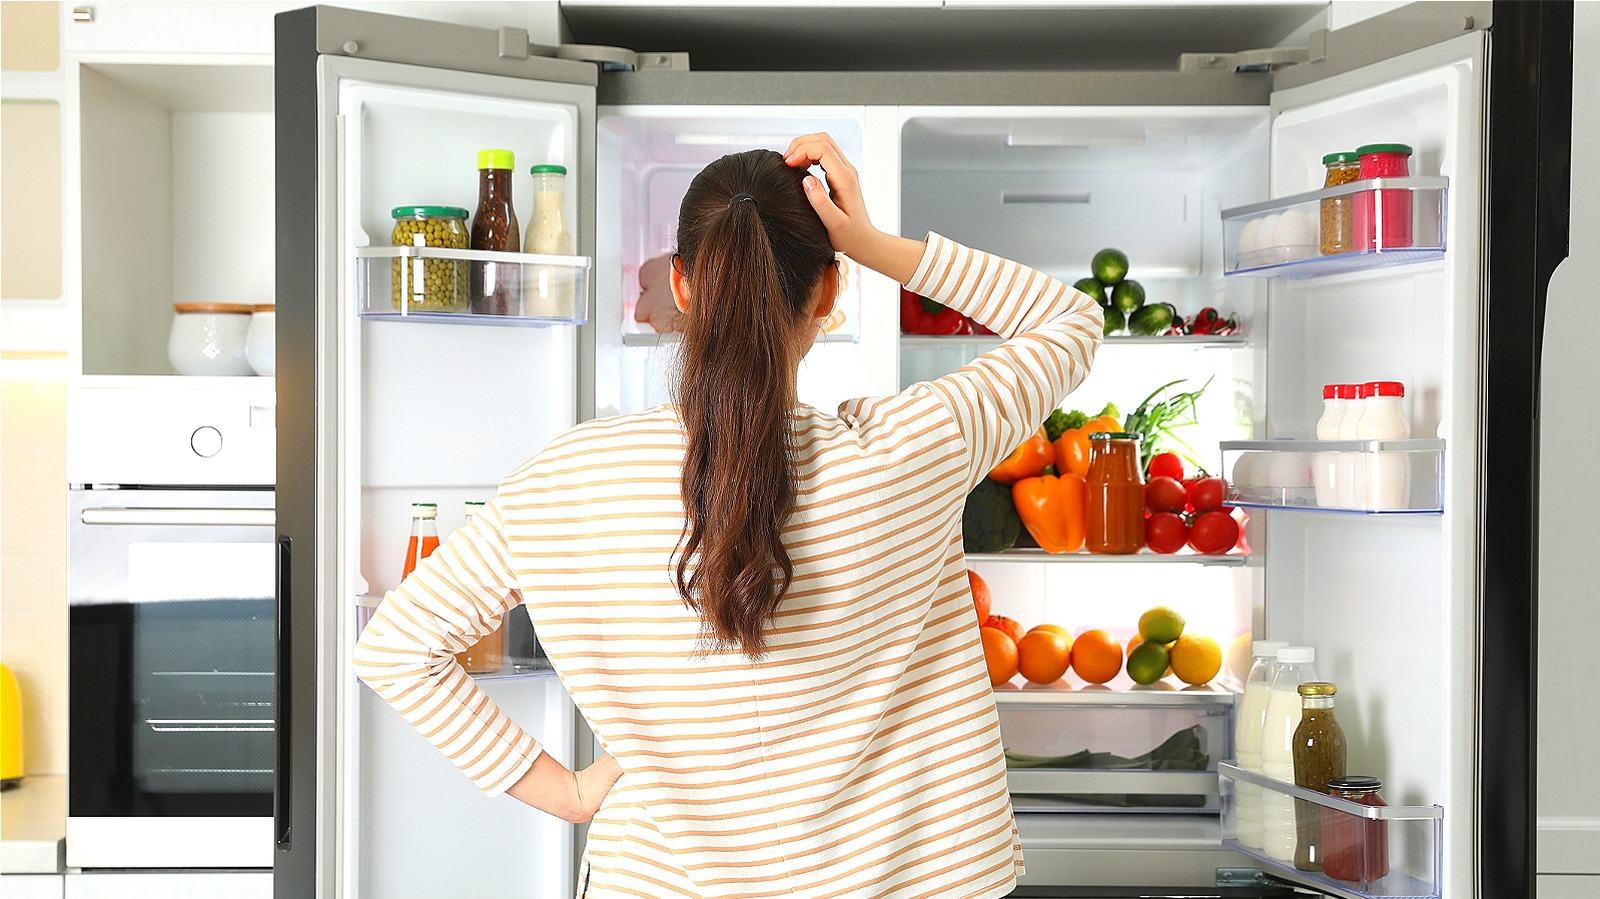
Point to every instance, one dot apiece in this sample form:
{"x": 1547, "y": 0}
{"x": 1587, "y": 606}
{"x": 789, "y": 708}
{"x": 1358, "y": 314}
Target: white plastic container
{"x": 1388, "y": 475}
{"x": 260, "y": 344}
{"x": 1350, "y": 469}
{"x": 548, "y": 288}
{"x": 1247, "y": 738}
{"x": 1324, "y": 466}
{"x": 209, "y": 339}
{"x": 1280, "y": 831}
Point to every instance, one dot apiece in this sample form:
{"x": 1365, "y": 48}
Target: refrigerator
{"x": 1421, "y": 613}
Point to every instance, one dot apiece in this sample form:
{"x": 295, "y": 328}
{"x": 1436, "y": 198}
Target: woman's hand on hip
{"x": 844, "y": 212}
{"x": 572, "y": 796}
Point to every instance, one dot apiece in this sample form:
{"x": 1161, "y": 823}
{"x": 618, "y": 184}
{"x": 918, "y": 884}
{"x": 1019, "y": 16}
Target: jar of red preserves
{"x": 1353, "y": 848}
{"x": 1382, "y": 218}
{"x": 1114, "y": 518}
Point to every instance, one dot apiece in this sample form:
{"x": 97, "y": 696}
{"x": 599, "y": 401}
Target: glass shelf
{"x": 1067, "y": 692}
{"x": 1393, "y": 851}
{"x": 923, "y": 342}
{"x": 516, "y": 664}
{"x": 1387, "y": 477}
{"x": 1394, "y": 221}
{"x": 668, "y": 339}
{"x": 433, "y": 284}
{"x": 1143, "y": 557}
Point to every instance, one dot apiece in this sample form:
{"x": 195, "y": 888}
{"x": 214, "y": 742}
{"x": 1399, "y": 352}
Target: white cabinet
{"x": 32, "y": 886}
{"x": 187, "y": 885}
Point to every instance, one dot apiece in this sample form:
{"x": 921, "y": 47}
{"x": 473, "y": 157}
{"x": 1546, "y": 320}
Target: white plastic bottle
{"x": 1280, "y": 832}
{"x": 1247, "y": 739}
{"x": 1324, "y": 466}
{"x": 1388, "y": 481}
{"x": 1350, "y": 469}
{"x": 548, "y": 289}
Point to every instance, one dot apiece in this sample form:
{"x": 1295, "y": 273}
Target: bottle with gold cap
{"x": 1319, "y": 756}
{"x": 496, "y": 286}
{"x": 11, "y": 766}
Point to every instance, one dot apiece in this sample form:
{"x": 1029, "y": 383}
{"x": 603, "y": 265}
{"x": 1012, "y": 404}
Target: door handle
{"x": 281, "y": 809}
{"x": 227, "y": 518}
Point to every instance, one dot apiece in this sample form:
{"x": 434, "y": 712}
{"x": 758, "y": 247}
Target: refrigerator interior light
{"x": 713, "y": 139}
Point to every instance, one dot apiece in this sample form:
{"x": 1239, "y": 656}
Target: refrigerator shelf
{"x": 536, "y": 665}
{"x": 656, "y": 340}
{"x": 1281, "y": 238}
{"x": 924, "y": 342}
{"x": 433, "y": 284}
{"x": 1390, "y": 477}
{"x": 1063, "y": 694}
{"x": 1035, "y": 555}
{"x": 1412, "y": 838}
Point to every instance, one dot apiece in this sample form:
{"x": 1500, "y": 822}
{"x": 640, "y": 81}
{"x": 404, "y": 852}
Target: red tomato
{"x": 1163, "y": 494}
{"x": 1207, "y": 494}
{"x": 1214, "y": 533}
{"x": 1166, "y": 465}
{"x": 1165, "y": 532}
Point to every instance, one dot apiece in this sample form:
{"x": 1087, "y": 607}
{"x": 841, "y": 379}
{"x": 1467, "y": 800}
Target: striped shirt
{"x": 860, "y": 756}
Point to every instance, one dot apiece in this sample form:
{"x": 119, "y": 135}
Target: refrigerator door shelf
{"x": 1385, "y": 477}
{"x": 1405, "y": 844}
{"x": 523, "y": 655}
{"x": 1374, "y": 223}
{"x": 431, "y": 284}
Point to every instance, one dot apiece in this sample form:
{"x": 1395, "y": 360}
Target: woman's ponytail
{"x": 753, "y": 251}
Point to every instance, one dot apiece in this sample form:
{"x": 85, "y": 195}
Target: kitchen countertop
{"x": 33, "y": 826}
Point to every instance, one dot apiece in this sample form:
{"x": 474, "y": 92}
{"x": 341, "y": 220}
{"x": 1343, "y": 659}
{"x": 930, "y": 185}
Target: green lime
{"x": 1093, "y": 288}
{"x": 1128, "y": 296}
{"x": 1110, "y": 266}
{"x": 1115, "y": 321}
{"x": 1150, "y": 320}
{"x": 1148, "y": 662}
{"x": 1161, "y": 625}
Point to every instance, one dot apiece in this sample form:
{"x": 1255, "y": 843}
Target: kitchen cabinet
{"x": 169, "y": 885}
{"x": 33, "y": 886}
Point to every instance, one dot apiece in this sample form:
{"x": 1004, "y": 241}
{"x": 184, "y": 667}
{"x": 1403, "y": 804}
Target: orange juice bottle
{"x": 424, "y": 535}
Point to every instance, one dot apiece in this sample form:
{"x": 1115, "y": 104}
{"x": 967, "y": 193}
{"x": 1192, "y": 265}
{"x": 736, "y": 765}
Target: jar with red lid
{"x": 1114, "y": 516}
{"x": 1353, "y": 848}
{"x": 1382, "y": 218}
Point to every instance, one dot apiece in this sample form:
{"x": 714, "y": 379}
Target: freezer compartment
{"x": 1367, "y": 851}
{"x": 431, "y": 283}
{"x": 1357, "y": 476}
{"x": 1102, "y": 750}
{"x": 1361, "y": 225}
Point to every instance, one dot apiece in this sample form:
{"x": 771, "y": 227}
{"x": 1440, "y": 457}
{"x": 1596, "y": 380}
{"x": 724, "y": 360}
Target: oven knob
{"x": 206, "y": 441}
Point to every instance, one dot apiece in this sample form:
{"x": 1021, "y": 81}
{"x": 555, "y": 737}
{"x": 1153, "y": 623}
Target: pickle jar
{"x": 430, "y": 285}
{"x": 1337, "y": 232}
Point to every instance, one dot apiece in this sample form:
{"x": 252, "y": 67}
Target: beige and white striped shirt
{"x": 860, "y": 757}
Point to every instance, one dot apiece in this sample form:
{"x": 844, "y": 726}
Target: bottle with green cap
{"x": 496, "y": 286}
{"x": 549, "y": 288}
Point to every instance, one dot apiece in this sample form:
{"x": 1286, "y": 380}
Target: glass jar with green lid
{"x": 429, "y": 285}
{"x": 1337, "y": 233}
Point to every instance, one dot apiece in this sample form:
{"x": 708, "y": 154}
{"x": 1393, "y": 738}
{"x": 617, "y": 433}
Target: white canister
{"x": 1388, "y": 482}
{"x": 209, "y": 339}
{"x": 1350, "y": 469}
{"x": 260, "y": 345}
{"x": 1324, "y": 466}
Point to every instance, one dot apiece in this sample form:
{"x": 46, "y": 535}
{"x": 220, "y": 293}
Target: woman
{"x": 760, "y": 608}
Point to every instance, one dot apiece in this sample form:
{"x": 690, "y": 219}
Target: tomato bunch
{"x": 1186, "y": 511}
{"x": 920, "y": 315}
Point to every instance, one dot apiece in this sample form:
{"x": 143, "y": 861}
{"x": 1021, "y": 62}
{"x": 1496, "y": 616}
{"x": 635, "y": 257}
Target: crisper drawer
{"x": 1140, "y": 750}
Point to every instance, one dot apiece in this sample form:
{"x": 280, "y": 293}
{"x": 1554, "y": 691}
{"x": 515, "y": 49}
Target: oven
{"x": 172, "y": 625}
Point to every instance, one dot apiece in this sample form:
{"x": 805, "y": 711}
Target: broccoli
{"x": 1060, "y": 422}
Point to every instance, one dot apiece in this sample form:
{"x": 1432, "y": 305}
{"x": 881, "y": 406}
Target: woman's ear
{"x": 827, "y": 295}
{"x": 680, "y": 287}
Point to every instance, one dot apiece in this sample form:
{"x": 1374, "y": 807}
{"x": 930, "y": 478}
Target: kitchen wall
{"x": 33, "y": 373}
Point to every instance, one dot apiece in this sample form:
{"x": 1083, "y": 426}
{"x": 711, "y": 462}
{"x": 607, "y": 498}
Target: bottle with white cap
{"x": 1324, "y": 466}
{"x": 1247, "y": 739}
{"x": 1280, "y": 833}
{"x": 1388, "y": 474}
{"x": 1350, "y": 469}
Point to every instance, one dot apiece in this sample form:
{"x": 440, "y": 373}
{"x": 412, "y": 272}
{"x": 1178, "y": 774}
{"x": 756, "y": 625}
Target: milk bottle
{"x": 1324, "y": 466}
{"x": 1350, "y": 469}
{"x": 1280, "y": 833}
{"x": 548, "y": 291}
{"x": 1247, "y": 739}
{"x": 1388, "y": 480}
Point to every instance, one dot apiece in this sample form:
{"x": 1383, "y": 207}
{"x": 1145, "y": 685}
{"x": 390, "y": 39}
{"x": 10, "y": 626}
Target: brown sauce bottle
{"x": 496, "y": 286}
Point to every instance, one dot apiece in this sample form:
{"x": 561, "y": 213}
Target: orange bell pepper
{"x": 1052, "y": 509}
{"x": 1102, "y": 423}
{"x": 1026, "y": 461}
{"x": 1072, "y": 452}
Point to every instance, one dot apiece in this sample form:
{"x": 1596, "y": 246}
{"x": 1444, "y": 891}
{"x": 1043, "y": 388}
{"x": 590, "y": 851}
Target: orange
{"x": 1096, "y": 656}
{"x": 1052, "y": 627}
{"x": 1000, "y": 652}
{"x": 1196, "y": 659}
{"x": 1043, "y": 655}
{"x": 982, "y": 599}
{"x": 1010, "y": 626}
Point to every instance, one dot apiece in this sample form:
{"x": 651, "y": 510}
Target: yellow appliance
{"x": 10, "y": 729}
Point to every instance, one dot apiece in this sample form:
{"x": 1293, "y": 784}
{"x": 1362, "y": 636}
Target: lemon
{"x": 1147, "y": 663}
{"x": 1195, "y": 659}
{"x": 1160, "y": 625}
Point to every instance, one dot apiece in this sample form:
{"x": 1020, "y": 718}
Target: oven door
{"x": 171, "y": 658}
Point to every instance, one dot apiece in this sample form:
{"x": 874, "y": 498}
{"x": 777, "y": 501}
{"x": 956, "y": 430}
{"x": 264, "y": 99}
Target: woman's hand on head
{"x": 843, "y": 210}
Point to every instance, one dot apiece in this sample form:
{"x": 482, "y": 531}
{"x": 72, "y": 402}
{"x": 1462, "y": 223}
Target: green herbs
{"x": 1155, "y": 420}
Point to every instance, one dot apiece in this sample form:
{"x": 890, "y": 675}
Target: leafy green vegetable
{"x": 1111, "y": 410}
{"x": 1155, "y": 420}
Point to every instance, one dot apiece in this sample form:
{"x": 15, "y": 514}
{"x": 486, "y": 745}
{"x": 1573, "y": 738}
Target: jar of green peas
{"x": 430, "y": 285}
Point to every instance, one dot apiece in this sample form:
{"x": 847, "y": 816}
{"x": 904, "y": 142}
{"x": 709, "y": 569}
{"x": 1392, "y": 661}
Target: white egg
{"x": 1269, "y": 224}
{"x": 1247, "y": 235}
{"x": 1293, "y": 229}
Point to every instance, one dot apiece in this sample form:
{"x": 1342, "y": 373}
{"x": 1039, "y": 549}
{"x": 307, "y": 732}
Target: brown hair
{"x": 753, "y": 251}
